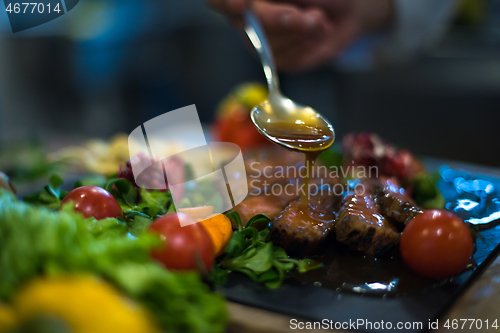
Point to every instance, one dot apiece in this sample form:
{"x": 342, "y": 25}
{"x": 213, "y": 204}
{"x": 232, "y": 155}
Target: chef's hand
{"x": 307, "y": 33}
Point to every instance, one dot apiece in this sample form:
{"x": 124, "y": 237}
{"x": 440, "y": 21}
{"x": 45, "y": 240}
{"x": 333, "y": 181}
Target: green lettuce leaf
{"x": 37, "y": 242}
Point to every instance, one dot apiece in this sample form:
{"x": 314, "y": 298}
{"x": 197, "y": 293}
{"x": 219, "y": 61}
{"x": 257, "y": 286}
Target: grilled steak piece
{"x": 272, "y": 206}
{"x": 361, "y": 226}
{"x": 305, "y": 232}
{"x": 273, "y": 198}
{"x": 394, "y": 203}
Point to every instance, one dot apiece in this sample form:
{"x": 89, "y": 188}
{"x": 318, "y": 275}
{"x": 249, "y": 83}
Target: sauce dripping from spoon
{"x": 310, "y": 139}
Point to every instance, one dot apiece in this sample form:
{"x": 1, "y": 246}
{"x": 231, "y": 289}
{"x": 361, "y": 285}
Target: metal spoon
{"x": 279, "y": 118}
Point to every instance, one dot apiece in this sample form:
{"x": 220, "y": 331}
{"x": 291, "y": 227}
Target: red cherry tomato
{"x": 436, "y": 244}
{"x": 93, "y": 201}
{"x": 184, "y": 247}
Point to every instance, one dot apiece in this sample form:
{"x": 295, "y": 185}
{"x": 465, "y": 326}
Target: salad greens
{"x": 26, "y": 161}
{"x": 251, "y": 252}
{"x": 332, "y": 157}
{"x": 50, "y": 196}
{"x": 203, "y": 194}
{"x": 426, "y": 193}
{"x": 139, "y": 206}
{"x": 93, "y": 180}
{"x": 35, "y": 241}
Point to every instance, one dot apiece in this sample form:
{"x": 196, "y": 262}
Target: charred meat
{"x": 394, "y": 203}
{"x": 303, "y": 232}
{"x": 272, "y": 206}
{"x": 360, "y": 225}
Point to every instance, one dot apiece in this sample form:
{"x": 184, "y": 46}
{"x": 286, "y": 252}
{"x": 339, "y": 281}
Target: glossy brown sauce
{"x": 344, "y": 269}
{"x": 364, "y": 206}
{"x": 304, "y": 195}
{"x": 312, "y": 223}
{"x": 309, "y": 139}
{"x": 272, "y": 206}
{"x": 347, "y": 271}
{"x": 301, "y": 136}
{"x": 395, "y": 189}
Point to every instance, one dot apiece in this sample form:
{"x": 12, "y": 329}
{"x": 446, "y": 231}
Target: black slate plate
{"x": 315, "y": 303}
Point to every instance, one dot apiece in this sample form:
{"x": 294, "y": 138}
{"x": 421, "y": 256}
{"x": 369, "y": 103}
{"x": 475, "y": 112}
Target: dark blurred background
{"x": 107, "y": 66}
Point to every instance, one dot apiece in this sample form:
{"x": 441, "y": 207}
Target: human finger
{"x": 282, "y": 17}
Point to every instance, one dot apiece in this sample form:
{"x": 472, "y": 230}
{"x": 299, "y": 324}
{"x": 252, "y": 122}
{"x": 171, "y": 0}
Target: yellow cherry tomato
{"x": 7, "y": 318}
{"x": 85, "y": 303}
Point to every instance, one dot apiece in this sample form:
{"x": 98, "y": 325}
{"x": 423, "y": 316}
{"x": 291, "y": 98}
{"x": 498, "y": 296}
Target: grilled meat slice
{"x": 272, "y": 206}
{"x": 362, "y": 227}
{"x": 394, "y": 203}
{"x": 304, "y": 232}
{"x": 274, "y": 197}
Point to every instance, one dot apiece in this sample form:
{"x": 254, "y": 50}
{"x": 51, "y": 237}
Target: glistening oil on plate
{"x": 347, "y": 271}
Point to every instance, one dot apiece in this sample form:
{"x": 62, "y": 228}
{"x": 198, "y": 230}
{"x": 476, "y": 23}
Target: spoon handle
{"x": 258, "y": 38}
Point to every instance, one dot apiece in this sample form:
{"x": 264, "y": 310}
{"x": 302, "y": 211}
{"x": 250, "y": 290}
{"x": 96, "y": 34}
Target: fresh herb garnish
{"x": 250, "y": 251}
{"x": 140, "y": 206}
{"x": 332, "y": 157}
{"x": 148, "y": 202}
{"x": 425, "y": 191}
{"x": 123, "y": 191}
{"x": 50, "y": 196}
{"x": 94, "y": 180}
{"x": 156, "y": 203}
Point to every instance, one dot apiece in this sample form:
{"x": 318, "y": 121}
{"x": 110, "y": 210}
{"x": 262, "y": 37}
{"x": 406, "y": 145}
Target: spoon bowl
{"x": 286, "y": 122}
{"x": 280, "y": 119}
